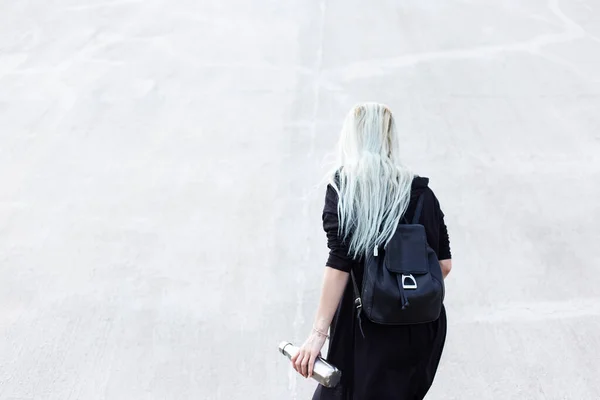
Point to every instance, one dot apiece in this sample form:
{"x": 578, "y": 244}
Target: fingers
{"x": 304, "y": 365}
{"x": 311, "y": 363}
{"x": 304, "y": 362}
{"x": 298, "y": 362}
{"x": 301, "y": 364}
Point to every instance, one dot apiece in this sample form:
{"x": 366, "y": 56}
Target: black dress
{"x": 390, "y": 362}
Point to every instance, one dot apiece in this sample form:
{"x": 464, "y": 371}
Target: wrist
{"x": 321, "y": 324}
{"x": 320, "y": 332}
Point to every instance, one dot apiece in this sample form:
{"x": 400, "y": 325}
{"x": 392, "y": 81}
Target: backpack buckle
{"x": 358, "y": 303}
{"x": 409, "y": 285}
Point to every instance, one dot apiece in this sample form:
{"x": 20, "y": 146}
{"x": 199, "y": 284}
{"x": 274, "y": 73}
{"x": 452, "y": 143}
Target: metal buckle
{"x": 358, "y": 303}
{"x": 409, "y": 285}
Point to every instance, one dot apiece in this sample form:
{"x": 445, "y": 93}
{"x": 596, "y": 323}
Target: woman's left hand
{"x": 304, "y": 360}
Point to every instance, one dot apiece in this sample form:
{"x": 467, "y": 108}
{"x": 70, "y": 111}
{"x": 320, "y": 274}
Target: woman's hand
{"x": 334, "y": 283}
{"x": 304, "y": 360}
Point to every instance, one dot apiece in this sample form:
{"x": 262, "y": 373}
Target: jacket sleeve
{"x": 444, "y": 243}
{"x": 437, "y": 234}
{"x": 338, "y": 249}
{"x": 444, "y": 238}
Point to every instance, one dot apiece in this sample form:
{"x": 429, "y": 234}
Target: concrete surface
{"x": 159, "y": 200}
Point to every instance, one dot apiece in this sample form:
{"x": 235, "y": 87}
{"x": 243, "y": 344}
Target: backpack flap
{"x": 406, "y": 253}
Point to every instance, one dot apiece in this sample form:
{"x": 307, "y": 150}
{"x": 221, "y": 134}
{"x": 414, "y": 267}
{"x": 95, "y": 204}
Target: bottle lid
{"x": 282, "y": 346}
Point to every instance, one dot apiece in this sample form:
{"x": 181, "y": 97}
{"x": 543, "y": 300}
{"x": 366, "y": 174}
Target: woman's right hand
{"x": 304, "y": 360}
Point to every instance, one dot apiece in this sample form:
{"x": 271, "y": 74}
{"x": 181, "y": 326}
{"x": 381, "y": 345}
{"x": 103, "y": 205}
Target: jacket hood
{"x": 420, "y": 182}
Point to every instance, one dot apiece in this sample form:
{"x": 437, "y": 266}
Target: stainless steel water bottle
{"x": 323, "y": 372}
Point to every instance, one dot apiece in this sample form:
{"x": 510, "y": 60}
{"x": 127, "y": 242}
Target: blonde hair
{"x": 373, "y": 186}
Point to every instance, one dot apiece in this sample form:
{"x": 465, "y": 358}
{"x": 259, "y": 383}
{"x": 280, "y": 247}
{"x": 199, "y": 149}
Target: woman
{"x": 367, "y": 196}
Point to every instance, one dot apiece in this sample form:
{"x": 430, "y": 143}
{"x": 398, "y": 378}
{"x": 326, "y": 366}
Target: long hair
{"x": 373, "y": 186}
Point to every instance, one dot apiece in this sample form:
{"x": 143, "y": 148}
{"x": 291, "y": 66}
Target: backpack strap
{"x": 418, "y": 210}
{"x": 357, "y": 302}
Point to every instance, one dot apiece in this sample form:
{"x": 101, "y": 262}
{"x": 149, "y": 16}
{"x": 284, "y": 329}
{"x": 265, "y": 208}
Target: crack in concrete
{"x": 371, "y": 68}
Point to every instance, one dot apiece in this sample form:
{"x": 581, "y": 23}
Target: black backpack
{"x": 403, "y": 282}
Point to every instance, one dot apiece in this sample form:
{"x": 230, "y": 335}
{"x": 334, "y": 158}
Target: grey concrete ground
{"x": 159, "y": 199}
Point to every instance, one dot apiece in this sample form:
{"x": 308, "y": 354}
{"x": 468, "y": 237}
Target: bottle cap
{"x": 282, "y": 346}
